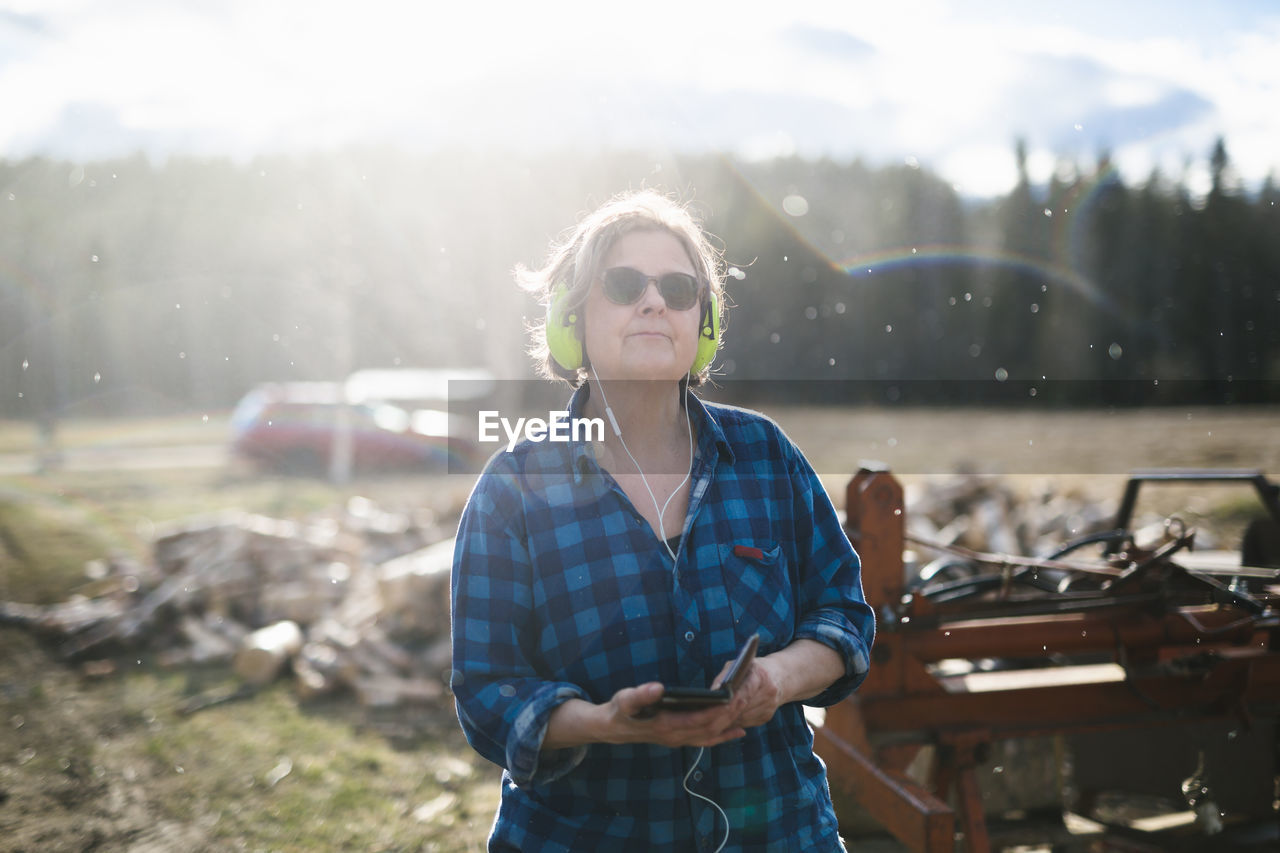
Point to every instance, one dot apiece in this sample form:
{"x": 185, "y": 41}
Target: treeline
{"x": 127, "y": 286}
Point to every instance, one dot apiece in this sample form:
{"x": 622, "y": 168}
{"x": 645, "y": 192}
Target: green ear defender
{"x": 562, "y": 334}
{"x": 708, "y": 336}
{"x": 566, "y": 346}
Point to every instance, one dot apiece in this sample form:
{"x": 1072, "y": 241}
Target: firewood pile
{"x": 359, "y": 602}
{"x": 987, "y": 514}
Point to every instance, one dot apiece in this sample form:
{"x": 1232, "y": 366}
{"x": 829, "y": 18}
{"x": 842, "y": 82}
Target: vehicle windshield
{"x": 248, "y": 410}
{"x": 431, "y": 422}
{"x": 391, "y": 418}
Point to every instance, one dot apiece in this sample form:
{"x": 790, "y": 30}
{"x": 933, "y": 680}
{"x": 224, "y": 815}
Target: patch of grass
{"x": 17, "y": 436}
{"x": 1239, "y": 508}
{"x": 52, "y": 524}
{"x": 270, "y": 772}
{"x": 131, "y": 502}
{"x": 1231, "y": 513}
{"x": 20, "y": 436}
{"x": 267, "y": 773}
{"x": 43, "y": 550}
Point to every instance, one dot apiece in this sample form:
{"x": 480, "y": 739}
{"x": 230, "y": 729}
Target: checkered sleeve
{"x": 832, "y": 608}
{"x": 502, "y": 702}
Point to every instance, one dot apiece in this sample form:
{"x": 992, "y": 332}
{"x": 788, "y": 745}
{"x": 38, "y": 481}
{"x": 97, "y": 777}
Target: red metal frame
{"x": 1227, "y": 664}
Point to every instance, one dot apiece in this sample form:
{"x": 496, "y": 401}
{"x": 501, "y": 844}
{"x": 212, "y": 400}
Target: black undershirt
{"x": 674, "y": 544}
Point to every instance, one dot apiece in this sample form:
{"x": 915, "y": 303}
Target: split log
{"x": 415, "y": 591}
{"x": 438, "y": 658}
{"x": 316, "y": 668}
{"x": 388, "y": 535}
{"x": 375, "y": 645}
{"x": 69, "y": 617}
{"x": 209, "y": 641}
{"x": 997, "y": 530}
{"x": 360, "y": 660}
{"x": 383, "y": 691}
{"x": 333, "y": 632}
{"x": 264, "y": 652}
{"x": 359, "y": 610}
{"x": 301, "y": 601}
{"x": 127, "y": 626}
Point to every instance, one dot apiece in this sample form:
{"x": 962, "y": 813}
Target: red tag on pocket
{"x": 748, "y": 552}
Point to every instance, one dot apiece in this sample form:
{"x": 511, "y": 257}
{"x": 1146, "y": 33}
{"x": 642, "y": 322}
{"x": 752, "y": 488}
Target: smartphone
{"x": 697, "y": 698}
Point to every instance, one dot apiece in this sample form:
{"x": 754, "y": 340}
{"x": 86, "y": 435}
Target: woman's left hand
{"x": 800, "y": 671}
{"x": 761, "y": 690}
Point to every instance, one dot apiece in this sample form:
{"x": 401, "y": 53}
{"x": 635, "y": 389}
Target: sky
{"x": 945, "y": 85}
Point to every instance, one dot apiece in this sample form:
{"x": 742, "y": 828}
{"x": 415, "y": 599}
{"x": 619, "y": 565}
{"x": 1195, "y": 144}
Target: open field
{"x": 1081, "y": 447}
{"x": 167, "y": 431}
{"x": 114, "y": 764}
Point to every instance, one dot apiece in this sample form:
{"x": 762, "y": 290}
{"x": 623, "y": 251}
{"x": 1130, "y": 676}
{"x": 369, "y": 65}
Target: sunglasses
{"x": 625, "y": 286}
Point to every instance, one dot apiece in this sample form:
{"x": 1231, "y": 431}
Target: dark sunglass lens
{"x": 624, "y": 285}
{"x": 679, "y": 290}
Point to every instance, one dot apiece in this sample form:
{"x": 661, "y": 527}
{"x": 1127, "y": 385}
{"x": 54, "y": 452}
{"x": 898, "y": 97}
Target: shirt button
{"x": 697, "y": 775}
{"x": 688, "y": 636}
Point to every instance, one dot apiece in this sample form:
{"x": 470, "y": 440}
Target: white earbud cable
{"x": 714, "y": 804}
{"x": 617, "y": 430}
{"x": 662, "y": 533}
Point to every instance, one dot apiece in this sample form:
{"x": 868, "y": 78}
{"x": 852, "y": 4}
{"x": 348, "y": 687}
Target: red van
{"x": 291, "y": 428}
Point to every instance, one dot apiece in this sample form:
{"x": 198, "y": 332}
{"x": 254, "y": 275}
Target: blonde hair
{"x": 576, "y": 262}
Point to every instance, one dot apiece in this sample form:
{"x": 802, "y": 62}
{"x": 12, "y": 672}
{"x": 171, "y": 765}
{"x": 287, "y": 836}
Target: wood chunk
{"x": 207, "y": 644}
{"x": 381, "y": 691}
{"x": 264, "y": 653}
{"x": 415, "y": 590}
{"x": 317, "y": 669}
{"x": 98, "y": 668}
{"x": 437, "y": 658}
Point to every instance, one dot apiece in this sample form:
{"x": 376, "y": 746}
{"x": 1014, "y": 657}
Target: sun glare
{"x": 981, "y": 170}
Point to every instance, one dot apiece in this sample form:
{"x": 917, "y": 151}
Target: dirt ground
{"x": 116, "y": 764}
{"x": 66, "y": 784}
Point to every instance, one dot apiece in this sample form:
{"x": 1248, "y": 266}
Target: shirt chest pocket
{"x": 758, "y": 584}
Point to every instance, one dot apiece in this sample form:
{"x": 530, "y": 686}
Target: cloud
{"x": 951, "y": 85}
{"x": 25, "y": 21}
{"x": 1072, "y": 102}
{"x": 1152, "y": 121}
{"x": 835, "y": 44}
{"x": 21, "y": 33}
{"x": 82, "y": 131}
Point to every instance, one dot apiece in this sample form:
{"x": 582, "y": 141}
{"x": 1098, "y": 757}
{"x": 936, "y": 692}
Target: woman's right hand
{"x": 578, "y": 722}
{"x": 708, "y": 727}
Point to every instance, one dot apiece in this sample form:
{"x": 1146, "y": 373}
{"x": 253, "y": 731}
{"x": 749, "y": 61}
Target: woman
{"x": 590, "y": 574}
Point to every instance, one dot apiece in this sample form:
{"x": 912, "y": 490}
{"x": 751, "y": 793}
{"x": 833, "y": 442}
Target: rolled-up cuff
{"x": 832, "y": 629}
{"x": 526, "y": 761}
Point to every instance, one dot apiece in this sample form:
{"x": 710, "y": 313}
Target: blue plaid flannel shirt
{"x": 561, "y": 590}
